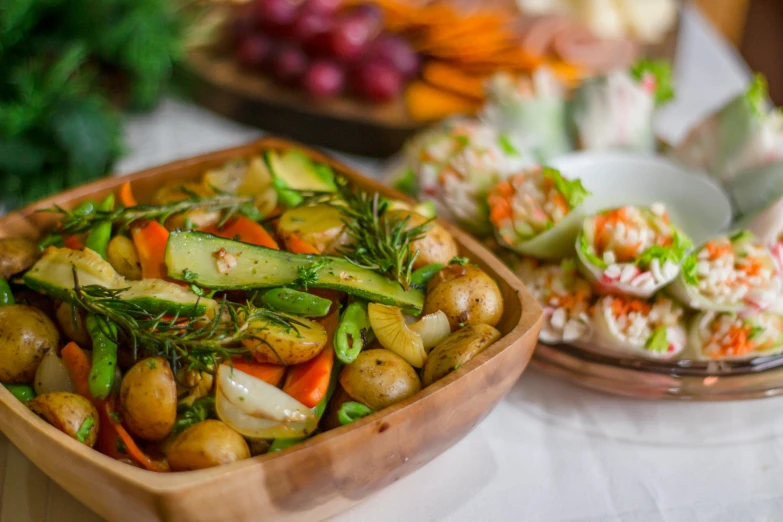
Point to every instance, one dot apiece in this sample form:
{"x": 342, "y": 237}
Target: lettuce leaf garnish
{"x": 674, "y": 253}
{"x": 591, "y": 258}
{"x": 572, "y": 190}
{"x": 661, "y": 71}
{"x": 689, "y": 272}
{"x": 756, "y": 95}
{"x": 658, "y": 341}
{"x": 742, "y": 236}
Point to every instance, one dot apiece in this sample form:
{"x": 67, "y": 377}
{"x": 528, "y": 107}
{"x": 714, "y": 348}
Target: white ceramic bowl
{"x": 695, "y": 203}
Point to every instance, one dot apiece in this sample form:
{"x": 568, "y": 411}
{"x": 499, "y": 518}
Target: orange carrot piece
{"x": 131, "y": 447}
{"x": 150, "y": 239}
{"x": 246, "y": 230}
{"x": 308, "y": 382}
{"x": 297, "y": 245}
{"x": 269, "y": 373}
{"x": 78, "y": 366}
{"x": 74, "y": 243}
{"x": 126, "y": 195}
{"x": 426, "y": 102}
{"x": 452, "y": 79}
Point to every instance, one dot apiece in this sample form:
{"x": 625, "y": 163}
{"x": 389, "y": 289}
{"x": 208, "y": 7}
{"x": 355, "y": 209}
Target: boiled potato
{"x": 26, "y": 334}
{"x": 466, "y": 294}
{"x": 276, "y": 343}
{"x": 17, "y": 255}
{"x": 148, "y": 399}
{"x": 437, "y": 245}
{"x": 73, "y": 330}
{"x": 207, "y": 444}
{"x": 121, "y": 254}
{"x": 319, "y": 225}
{"x": 179, "y": 191}
{"x": 379, "y": 378}
{"x": 70, "y": 413}
{"x": 457, "y": 349}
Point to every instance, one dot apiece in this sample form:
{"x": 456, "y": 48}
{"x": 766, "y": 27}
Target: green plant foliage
{"x": 60, "y": 59}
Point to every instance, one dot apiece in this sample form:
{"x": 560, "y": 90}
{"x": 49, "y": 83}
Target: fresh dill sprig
{"x": 194, "y": 343}
{"x": 378, "y": 244}
{"x": 78, "y": 222}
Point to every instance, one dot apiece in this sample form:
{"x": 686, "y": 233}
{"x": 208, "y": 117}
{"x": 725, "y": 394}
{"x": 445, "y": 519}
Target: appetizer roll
{"x": 455, "y": 164}
{"x": 530, "y": 111}
{"x": 565, "y": 297}
{"x": 723, "y": 335}
{"x": 729, "y": 274}
{"x": 535, "y": 212}
{"x": 744, "y": 134}
{"x": 631, "y": 250}
{"x": 651, "y": 329}
{"x": 616, "y": 111}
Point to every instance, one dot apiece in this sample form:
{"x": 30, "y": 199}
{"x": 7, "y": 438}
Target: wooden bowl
{"x": 312, "y": 480}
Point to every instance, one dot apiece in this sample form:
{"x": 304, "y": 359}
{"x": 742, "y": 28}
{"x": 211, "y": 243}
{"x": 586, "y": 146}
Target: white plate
{"x": 695, "y": 203}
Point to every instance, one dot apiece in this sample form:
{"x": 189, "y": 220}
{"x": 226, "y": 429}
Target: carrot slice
{"x": 150, "y": 238}
{"x": 246, "y": 230}
{"x": 74, "y": 243}
{"x": 269, "y": 373}
{"x": 426, "y": 102}
{"x": 297, "y": 245}
{"x": 308, "y": 382}
{"x": 453, "y": 79}
{"x": 126, "y": 195}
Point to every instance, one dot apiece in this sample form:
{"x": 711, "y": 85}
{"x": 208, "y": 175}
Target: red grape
{"x": 370, "y": 14}
{"x": 243, "y": 23}
{"x": 310, "y": 25}
{"x": 254, "y": 50}
{"x": 349, "y": 38}
{"x": 398, "y": 52}
{"x": 377, "y": 80}
{"x": 277, "y": 16}
{"x": 324, "y": 79}
{"x": 289, "y": 64}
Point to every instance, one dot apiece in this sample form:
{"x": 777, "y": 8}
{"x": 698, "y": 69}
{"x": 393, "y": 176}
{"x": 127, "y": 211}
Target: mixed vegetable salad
{"x": 237, "y": 315}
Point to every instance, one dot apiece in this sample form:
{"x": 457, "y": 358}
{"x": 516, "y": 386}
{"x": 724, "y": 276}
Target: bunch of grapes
{"x": 323, "y": 48}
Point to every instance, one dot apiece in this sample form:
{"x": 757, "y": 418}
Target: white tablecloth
{"x": 550, "y": 451}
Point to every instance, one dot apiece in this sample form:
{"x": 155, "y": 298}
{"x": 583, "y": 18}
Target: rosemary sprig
{"x": 78, "y": 222}
{"x": 195, "y": 342}
{"x": 378, "y": 244}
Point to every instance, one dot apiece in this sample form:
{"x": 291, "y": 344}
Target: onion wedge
{"x": 389, "y": 326}
{"x": 432, "y": 329}
{"x": 256, "y": 428}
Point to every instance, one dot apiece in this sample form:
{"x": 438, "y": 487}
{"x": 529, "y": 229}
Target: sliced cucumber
{"x": 223, "y": 264}
{"x": 53, "y": 275}
{"x": 293, "y": 172}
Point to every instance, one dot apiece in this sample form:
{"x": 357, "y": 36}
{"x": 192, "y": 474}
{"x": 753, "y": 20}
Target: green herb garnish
{"x": 188, "y": 415}
{"x": 461, "y": 261}
{"x": 506, "y": 146}
{"x": 572, "y": 190}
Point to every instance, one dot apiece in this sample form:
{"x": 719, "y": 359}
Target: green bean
{"x": 295, "y": 302}
{"x": 351, "y": 411}
{"x": 104, "y": 355}
{"x": 23, "y": 392}
{"x": 84, "y": 209}
{"x": 6, "y": 296}
{"x": 353, "y": 332}
{"x": 420, "y": 277}
{"x": 98, "y": 238}
{"x": 319, "y": 409}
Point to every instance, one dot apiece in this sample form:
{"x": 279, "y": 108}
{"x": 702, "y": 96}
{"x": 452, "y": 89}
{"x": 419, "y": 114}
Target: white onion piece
{"x": 260, "y": 399}
{"x": 432, "y": 328}
{"x": 256, "y": 428}
{"x": 52, "y": 375}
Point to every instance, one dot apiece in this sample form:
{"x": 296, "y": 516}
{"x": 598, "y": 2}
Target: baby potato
{"x": 457, "y": 349}
{"x": 17, "y": 255}
{"x": 379, "y": 378}
{"x": 437, "y": 245}
{"x": 148, "y": 399}
{"x": 122, "y": 256}
{"x": 319, "y": 225}
{"x": 70, "y": 413}
{"x": 74, "y": 331}
{"x": 466, "y": 294}
{"x": 275, "y": 343}
{"x": 207, "y": 444}
{"x": 26, "y": 334}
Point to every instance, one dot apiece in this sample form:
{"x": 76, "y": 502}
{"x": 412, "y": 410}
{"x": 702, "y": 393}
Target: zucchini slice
{"x": 53, "y": 275}
{"x": 223, "y": 264}
{"x": 293, "y": 172}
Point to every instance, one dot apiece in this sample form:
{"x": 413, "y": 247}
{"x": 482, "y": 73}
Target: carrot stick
{"x": 150, "y": 239}
{"x": 426, "y": 102}
{"x": 74, "y": 243}
{"x": 308, "y": 382}
{"x": 246, "y": 230}
{"x": 297, "y": 245}
{"x": 269, "y": 373}
{"x": 126, "y": 195}
{"x": 109, "y": 428}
